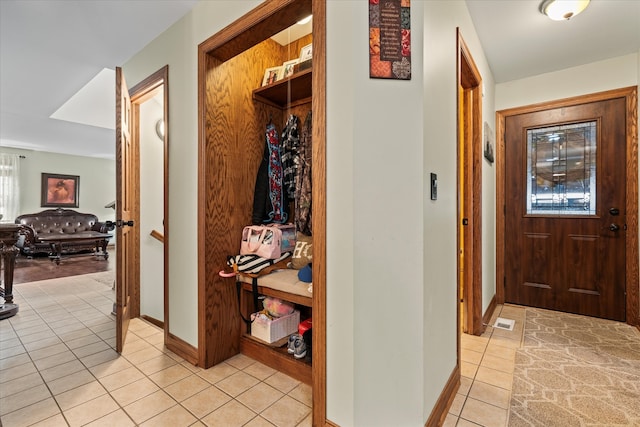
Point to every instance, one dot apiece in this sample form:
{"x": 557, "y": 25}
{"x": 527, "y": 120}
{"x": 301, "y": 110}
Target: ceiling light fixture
{"x": 304, "y": 20}
{"x": 563, "y": 10}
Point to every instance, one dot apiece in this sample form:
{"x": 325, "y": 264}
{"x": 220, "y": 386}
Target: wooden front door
{"x": 125, "y": 202}
{"x": 565, "y": 219}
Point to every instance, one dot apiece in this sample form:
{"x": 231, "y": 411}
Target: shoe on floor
{"x": 299, "y": 348}
{"x": 291, "y": 343}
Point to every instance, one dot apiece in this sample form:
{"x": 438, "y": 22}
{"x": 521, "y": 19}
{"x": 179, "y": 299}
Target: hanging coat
{"x": 303, "y": 181}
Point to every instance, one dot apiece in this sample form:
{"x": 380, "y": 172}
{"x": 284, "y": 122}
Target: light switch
{"x": 434, "y": 186}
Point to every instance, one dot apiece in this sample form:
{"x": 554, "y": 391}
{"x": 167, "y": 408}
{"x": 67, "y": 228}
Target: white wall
{"x": 151, "y": 210}
{"x": 97, "y": 180}
{"x": 178, "y": 48}
{"x": 599, "y": 76}
{"x": 375, "y": 196}
{"x": 441, "y": 18}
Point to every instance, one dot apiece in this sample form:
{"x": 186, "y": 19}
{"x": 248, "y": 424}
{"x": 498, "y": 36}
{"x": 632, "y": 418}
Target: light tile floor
{"x": 487, "y": 364}
{"x": 58, "y": 367}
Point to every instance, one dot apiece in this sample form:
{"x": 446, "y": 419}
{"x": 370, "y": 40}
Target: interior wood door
{"x": 125, "y": 200}
{"x": 565, "y": 219}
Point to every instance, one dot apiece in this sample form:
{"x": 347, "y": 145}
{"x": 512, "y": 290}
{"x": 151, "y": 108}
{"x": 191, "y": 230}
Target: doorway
{"x": 568, "y": 191}
{"x": 142, "y": 174}
{"x": 469, "y": 191}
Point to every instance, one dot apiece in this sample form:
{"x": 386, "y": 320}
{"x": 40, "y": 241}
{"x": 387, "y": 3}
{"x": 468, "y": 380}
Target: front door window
{"x": 561, "y": 170}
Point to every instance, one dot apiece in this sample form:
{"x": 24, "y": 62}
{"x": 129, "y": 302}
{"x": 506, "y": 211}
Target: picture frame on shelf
{"x": 288, "y": 67}
{"x": 272, "y": 75}
{"x": 306, "y": 53}
{"x": 60, "y": 191}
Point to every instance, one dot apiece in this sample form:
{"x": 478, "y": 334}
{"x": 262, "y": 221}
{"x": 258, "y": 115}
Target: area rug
{"x": 42, "y": 268}
{"x": 576, "y": 371}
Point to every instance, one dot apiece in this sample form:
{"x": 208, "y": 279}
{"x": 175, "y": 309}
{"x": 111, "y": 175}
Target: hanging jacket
{"x": 289, "y": 146}
{"x": 303, "y": 180}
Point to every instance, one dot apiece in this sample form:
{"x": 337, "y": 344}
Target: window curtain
{"x": 9, "y": 186}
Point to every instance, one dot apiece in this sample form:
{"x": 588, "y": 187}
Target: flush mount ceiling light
{"x": 304, "y": 20}
{"x": 563, "y": 10}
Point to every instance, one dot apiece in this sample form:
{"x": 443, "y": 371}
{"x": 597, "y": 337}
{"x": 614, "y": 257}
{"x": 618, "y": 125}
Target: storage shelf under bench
{"x": 282, "y": 284}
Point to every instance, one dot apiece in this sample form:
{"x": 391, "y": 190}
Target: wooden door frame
{"x": 470, "y": 140}
{"x": 237, "y": 37}
{"x": 139, "y": 94}
{"x": 630, "y": 94}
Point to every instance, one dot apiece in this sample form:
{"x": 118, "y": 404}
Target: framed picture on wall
{"x": 488, "y": 143}
{"x": 60, "y": 191}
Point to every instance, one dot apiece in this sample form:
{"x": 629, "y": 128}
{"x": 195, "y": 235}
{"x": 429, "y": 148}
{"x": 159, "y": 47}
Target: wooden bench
{"x": 283, "y": 284}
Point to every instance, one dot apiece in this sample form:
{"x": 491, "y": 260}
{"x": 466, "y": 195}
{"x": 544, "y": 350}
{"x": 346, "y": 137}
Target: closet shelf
{"x": 289, "y": 91}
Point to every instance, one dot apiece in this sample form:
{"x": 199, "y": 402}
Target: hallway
{"x": 487, "y": 364}
{"x": 58, "y": 367}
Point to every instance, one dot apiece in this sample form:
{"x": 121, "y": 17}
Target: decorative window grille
{"x": 561, "y": 170}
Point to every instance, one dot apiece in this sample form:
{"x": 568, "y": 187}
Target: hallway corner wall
{"x": 178, "y": 47}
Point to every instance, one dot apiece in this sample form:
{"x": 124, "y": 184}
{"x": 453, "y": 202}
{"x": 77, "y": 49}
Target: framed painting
{"x": 60, "y": 191}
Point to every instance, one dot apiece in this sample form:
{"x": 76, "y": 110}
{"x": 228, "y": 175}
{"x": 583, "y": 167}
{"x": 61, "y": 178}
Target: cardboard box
{"x": 271, "y": 330}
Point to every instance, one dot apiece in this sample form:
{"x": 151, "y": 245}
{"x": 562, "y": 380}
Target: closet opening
{"x": 243, "y": 91}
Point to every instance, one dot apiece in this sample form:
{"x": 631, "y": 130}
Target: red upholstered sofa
{"x": 59, "y": 221}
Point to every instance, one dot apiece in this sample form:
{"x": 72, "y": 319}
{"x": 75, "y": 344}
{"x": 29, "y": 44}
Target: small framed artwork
{"x": 288, "y": 67}
{"x": 488, "y": 143}
{"x": 60, "y": 191}
{"x": 306, "y": 53}
{"x": 272, "y": 75}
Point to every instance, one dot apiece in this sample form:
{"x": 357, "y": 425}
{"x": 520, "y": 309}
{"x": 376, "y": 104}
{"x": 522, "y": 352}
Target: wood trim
{"x": 153, "y": 321}
{"x": 470, "y": 80}
{"x": 140, "y": 93}
{"x": 134, "y": 257}
{"x": 500, "y": 207}
{"x": 269, "y": 17}
{"x": 489, "y": 313}
{"x": 202, "y": 212}
{"x": 181, "y": 348}
{"x": 277, "y": 359}
{"x": 633, "y": 285}
{"x": 441, "y": 408}
{"x": 319, "y": 219}
{"x": 631, "y": 171}
{"x": 276, "y": 293}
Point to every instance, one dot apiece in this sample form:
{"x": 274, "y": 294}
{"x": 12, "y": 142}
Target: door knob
{"x": 119, "y": 223}
{"x": 614, "y": 227}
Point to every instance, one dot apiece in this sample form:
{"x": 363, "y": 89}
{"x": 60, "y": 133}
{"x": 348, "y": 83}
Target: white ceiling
{"x": 519, "y": 41}
{"x": 50, "y": 49}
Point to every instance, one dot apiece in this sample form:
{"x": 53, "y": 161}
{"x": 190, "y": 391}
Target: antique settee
{"x": 79, "y": 231}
